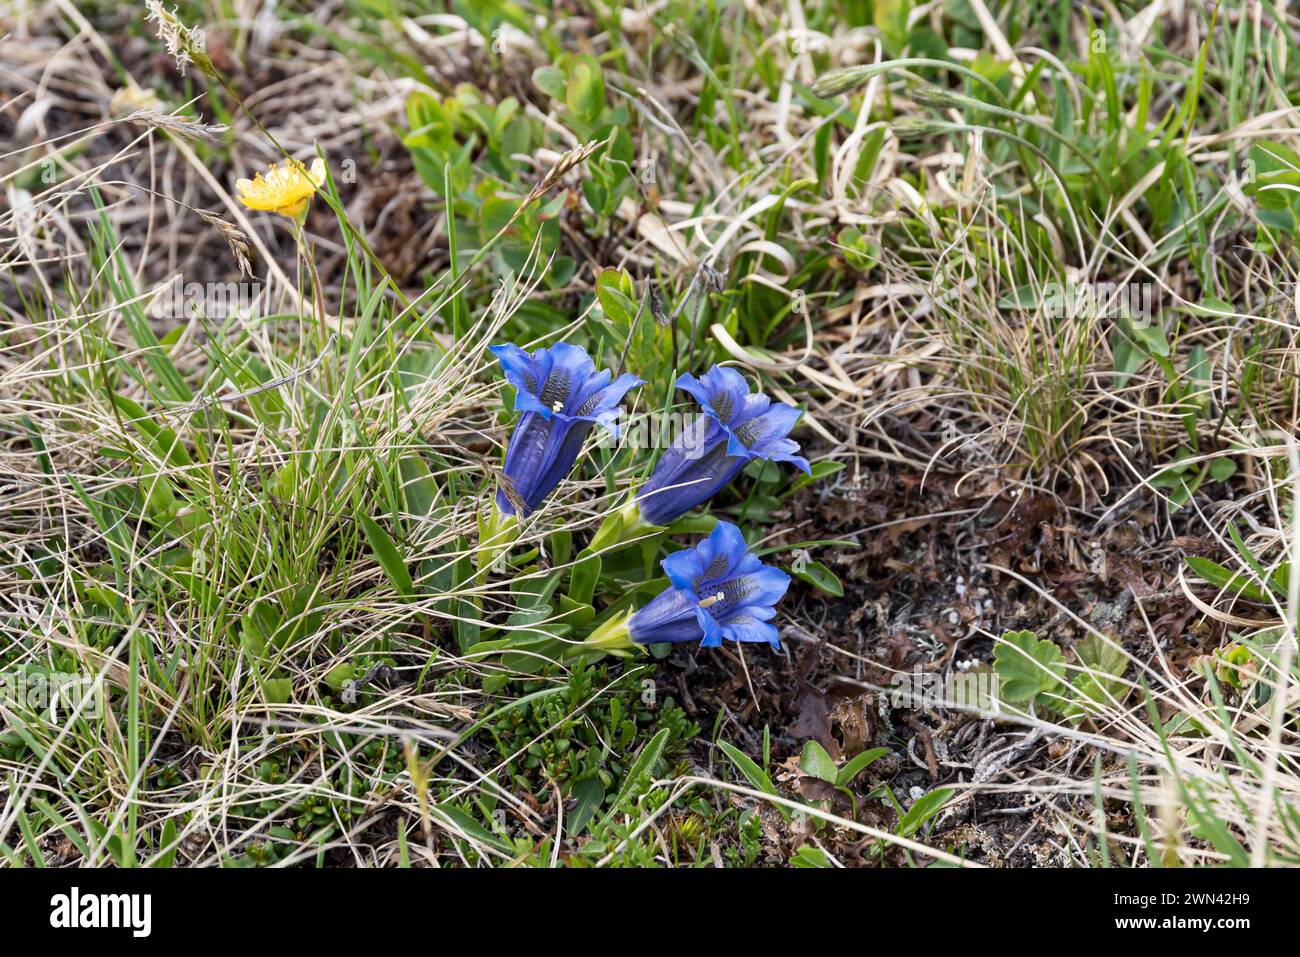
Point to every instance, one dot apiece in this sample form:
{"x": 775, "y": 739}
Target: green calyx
{"x": 496, "y": 535}
{"x": 619, "y": 527}
{"x": 611, "y": 637}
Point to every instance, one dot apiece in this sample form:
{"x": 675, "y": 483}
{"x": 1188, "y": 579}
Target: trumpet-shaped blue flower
{"x": 719, "y": 590}
{"x": 561, "y": 396}
{"x": 738, "y": 426}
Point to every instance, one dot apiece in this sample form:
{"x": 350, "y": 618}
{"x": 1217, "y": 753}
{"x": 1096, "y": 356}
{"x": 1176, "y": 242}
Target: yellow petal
{"x": 283, "y": 189}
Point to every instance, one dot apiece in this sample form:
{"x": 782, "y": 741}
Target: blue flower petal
{"x": 574, "y": 360}
{"x": 590, "y": 388}
{"x": 745, "y": 626}
{"x": 685, "y": 568}
{"x": 518, "y": 367}
{"x": 691, "y": 471}
{"x": 540, "y": 454}
{"x": 753, "y": 437}
{"x": 764, "y": 586}
{"x": 599, "y": 404}
{"x": 722, "y": 587}
{"x": 525, "y": 458}
{"x": 670, "y": 616}
{"x": 726, "y": 550}
{"x": 722, "y": 392}
{"x": 713, "y": 633}
{"x": 561, "y": 396}
{"x": 783, "y": 450}
{"x": 753, "y": 406}
{"x": 738, "y": 426}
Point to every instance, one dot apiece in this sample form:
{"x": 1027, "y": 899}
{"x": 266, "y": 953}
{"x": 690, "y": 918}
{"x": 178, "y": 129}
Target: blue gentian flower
{"x": 719, "y": 590}
{"x": 561, "y": 396}
{"x": 738, "y": 426}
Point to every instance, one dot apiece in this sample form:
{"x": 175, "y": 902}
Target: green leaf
{"x": 1222, "y": 469}
{"x": 550, "y": 80}
{"x": 1128, "y": 358}
{"x": 532, "y": 598}
{"x": 819, "y": 576}
{"x": 809, "y": 855}
{"x": 816, "y": 762}
{"x": 890, "y": 18}
{"x": 465, "y": 625}
{"x": 753, "y": 773}
{"x": 66, "y": 828}
{"x": 1226, "y": 579}
{"x": 389, "y": 557}
{"x": 472, "y": 828}
{"x": 1274, "y": 175}
{"x": 645, "y": 762}
{"x": 419, "y": 489}
{"x": 496, "y": 213}
{"x": 167, "y": 841}
{"x": 277, "y": 690}
{"x": 585, "y": 92}
{"x": 1280, "y": 578}
{"x": 1151, "y": 340}
{"x": 256, "y": 627}
{"x": 29, "y": 839}
{"x": 584, "y": 578}
{"x": 844, "y": 777}
{"x": 340, "y": 675}
{"x": 1100, "y": 655}
{"x": 165, "y": 443}
{"x": 925, "y": 808}
{"x": 820, "y": 470}
{"x": 1099, "y": 685}
{"x": 1027, "y": 667}
{"x": 617, "y": 295}
{"x": 589, "y": 792}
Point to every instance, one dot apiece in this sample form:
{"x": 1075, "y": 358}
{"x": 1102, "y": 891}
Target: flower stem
{"x": 618, "y": 528}
{"x": 496, "y": 534}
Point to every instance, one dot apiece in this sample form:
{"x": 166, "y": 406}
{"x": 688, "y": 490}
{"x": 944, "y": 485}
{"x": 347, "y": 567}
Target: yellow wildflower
{"x": 284, "y": 189}
{"x": 131, "y": 98}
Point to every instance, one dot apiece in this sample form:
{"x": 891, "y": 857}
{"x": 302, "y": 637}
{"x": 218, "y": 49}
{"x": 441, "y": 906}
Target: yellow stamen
{"x": 283, "y": 189}
{"x": 557, "y": 406}
{"x": 712, "y": 600}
